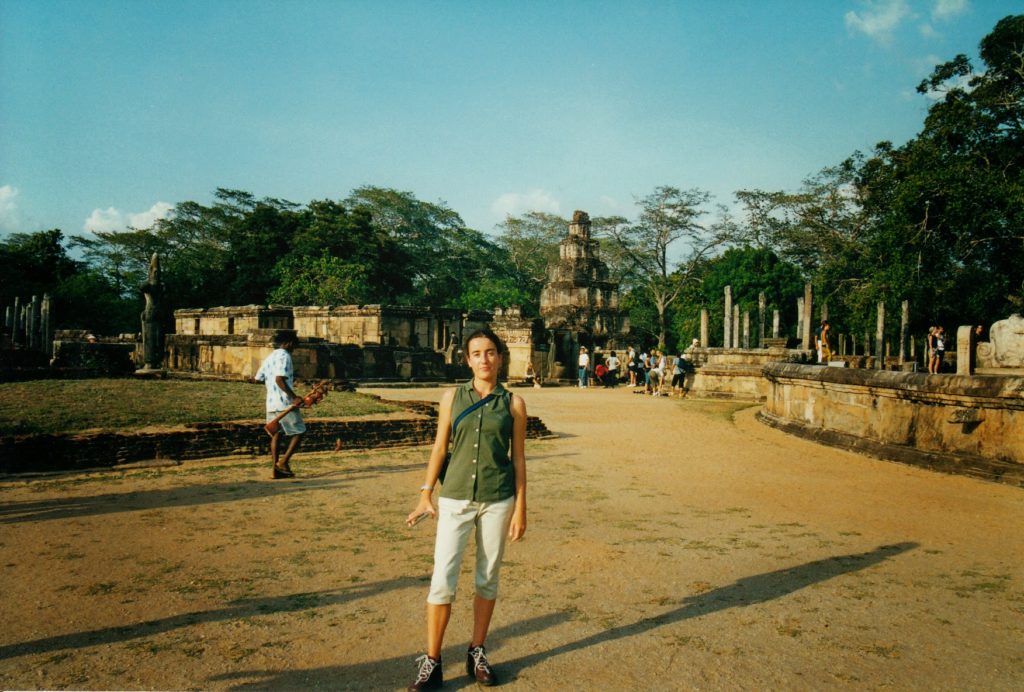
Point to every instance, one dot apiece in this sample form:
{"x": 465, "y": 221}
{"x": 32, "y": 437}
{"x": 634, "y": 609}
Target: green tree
{"x": 38, "y": 263}
{"x": 491, "y": 293}
{"x": 326, "y": 280}
{"x": 255, "y": 241}
{"x": 531, "y": 243}
{"x": 34, "y": 264}
{"x": 440, "y": 255}
{"x": 668, "y": 220}
{"x": 750, "y": 271}
{"x": 87, "y": 300}
{"x": 330, "y": 226}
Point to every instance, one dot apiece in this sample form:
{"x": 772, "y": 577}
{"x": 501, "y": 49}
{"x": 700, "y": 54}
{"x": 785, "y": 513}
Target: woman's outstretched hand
{"x": 425, "y": 506}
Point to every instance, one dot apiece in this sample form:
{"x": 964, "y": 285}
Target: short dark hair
{"x": 485, "y": 333}
{"x": 285, "y": 336}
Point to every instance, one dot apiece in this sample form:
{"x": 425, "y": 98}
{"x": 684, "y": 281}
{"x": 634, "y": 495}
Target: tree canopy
{"x": 938, "y": 220}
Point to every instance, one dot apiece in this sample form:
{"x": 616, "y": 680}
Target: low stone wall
{"x": 34, "y": 453}
{"x": 732, "y": 373}
{"x": 240, "y": 355}
{"x": 111, "y": 357}
{"x": 967, "y": 425}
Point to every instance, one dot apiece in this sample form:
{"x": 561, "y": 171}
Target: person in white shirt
{"x": 612, "y": 362}
{"x": 278, "y": 372}
{"x": 584, "y": 365}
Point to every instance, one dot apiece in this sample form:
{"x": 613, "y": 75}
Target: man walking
{"x": 278, "y": 372}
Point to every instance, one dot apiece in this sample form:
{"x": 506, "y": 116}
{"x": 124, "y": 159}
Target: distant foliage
{"x": 938, "y": 221}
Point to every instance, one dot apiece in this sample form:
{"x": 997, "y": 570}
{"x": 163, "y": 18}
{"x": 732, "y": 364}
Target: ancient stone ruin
{"x": 580, "y": 304}
{"x": 342, "y": 342}
{"x": 1005, "y": 346}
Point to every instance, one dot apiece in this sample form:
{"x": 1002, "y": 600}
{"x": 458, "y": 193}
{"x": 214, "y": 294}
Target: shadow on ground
{"x": 189, "y": 495}
{"x": 747, "y": 591}
{"x": 236, "y": 610}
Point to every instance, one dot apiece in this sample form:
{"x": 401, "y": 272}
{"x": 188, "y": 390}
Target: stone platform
{"x": 968, "y": 425}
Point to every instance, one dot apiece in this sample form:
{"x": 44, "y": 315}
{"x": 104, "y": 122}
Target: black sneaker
{"x": 428, "y": 675}
{"x": 478, "y": 668}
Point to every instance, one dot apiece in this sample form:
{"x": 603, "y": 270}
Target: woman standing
{"x": 940, "y": 347}
{"x": 484, "y": 488}
{"x": 933, "y": 360}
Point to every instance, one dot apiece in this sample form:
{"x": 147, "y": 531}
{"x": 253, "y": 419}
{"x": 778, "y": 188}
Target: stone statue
{"x": 152, "y": 334}
{"x": 1007, "y": 339}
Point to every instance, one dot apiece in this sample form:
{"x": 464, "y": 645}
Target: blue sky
{"x": 112, "y": 112}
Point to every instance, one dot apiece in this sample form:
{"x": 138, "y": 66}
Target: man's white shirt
{"x": 277, "y": 363}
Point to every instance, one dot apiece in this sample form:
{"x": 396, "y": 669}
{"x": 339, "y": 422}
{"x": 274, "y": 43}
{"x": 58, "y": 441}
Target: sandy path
{"x": 669, "y": 546}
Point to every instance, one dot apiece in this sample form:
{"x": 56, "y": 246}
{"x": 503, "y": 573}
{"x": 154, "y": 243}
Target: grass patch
{"x": 63, "y": 406}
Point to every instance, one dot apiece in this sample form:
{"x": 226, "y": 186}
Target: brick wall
{"x": 32, "y": 453}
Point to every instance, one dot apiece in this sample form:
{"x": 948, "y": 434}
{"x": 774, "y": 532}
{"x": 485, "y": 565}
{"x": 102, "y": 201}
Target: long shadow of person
{"x": 743, "y": 592}
{"x": 380, "y": 674}
{"x": 235, "y": 610}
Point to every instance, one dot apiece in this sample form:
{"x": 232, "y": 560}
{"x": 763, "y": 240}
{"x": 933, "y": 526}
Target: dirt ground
{"x": 670, "y": 545}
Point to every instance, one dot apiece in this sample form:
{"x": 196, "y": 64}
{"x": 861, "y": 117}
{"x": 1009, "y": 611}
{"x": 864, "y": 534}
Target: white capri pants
{"x": 455, "y": 520}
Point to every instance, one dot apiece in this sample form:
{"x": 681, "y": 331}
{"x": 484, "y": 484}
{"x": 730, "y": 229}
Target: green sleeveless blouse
{"x": 481, "y": 467}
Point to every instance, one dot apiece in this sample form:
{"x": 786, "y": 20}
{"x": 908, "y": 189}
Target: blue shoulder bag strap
{"x": 455, "y": 425}
{"x": 469, "y": 410}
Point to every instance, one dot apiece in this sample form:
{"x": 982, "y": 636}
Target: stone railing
{"x": 968, "y": 425}
{"x": 62, "y": 452}
{"x": 733, "y": 373}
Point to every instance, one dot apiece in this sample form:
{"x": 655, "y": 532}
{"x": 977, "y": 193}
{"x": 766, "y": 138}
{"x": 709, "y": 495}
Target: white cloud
{"x": 160, "y": 210}
{"x": 516, "y": 203}
{"x": 113, "y": 219}
{"x": 879, "y": 19}
{"x": 109, "y": 219}
{"x": 9, "y": 220}
{"x": 945, "y": 10}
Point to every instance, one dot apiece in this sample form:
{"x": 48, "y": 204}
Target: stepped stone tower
{"x": 579, "y": 303}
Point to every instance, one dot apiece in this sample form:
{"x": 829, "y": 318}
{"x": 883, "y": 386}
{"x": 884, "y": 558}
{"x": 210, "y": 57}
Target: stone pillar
{"x": 775, "y": 324}
{"x": 735, "y": 326}
{"x": 152, "y": 332}
{"x": 800, "y": 319}
{"x": 25, "y": 311}
{"x": 15, "y": 321}
{"x": 8, "y": 319}
{"x": 904, "y": 330}
{"x": 842, "y": 344}
{"x": 762, "y": 307}
{"x": 880, "y": 337}
{"x": 17, "y": 335}
{"x": 867, "y": 343}
{"x": 746, "y": 329}
{"x": 704, "y": 327}
{"x": 808, "y": 304}
{"x": 46, "y": 326}
{"x": 965, "y": 350}
{"x": 727, "y": 323}
{"x": 824, "y": 311}
{"x": 29, "y": 323}
{"x": 32, "y": 325}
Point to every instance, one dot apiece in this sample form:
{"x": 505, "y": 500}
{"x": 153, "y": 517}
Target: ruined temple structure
{"x": 579, "y": 307}
{"x": 360, "y": 342}
{"x": 580, "y": 304}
